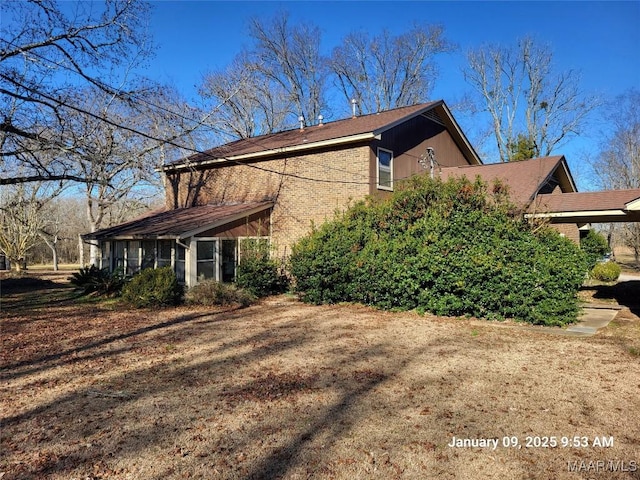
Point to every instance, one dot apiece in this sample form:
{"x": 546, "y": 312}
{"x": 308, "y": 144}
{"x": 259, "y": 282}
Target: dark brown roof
{"x": 179, "y": 223}
{"x": 587, "y": 201}
{"x": 524, "y": 178}
{"x": 347, "y": 130}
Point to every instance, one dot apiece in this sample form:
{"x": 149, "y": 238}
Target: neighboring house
{"x": 275, "y": 187}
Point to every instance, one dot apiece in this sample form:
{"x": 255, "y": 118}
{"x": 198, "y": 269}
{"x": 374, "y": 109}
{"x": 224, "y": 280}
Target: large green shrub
{"x": 595, "y": 246}
{"x": 606, "y": 272}
{"x": 257, "y": 272}
{"x": 153, "y": 288}
{"x": 451, "y": 248}
{"x": 211, "y": 292}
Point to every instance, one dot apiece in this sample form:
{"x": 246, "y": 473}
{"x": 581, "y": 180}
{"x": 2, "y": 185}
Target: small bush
{"x": 153, "y": 288}
{"x": 606, "y": 272}
{"x": 99, "y": 281}
{"x": 257, "y": 272}
{"x": 209, "y": 293}
{"x": 595, "y": 246}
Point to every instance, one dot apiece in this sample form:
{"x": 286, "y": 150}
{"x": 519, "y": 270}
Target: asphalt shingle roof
{"x": 348, "y": 127}
{"x": 587, "y": 201}
{"x": 523, "y": 178}
{"x": 175, "y": 223}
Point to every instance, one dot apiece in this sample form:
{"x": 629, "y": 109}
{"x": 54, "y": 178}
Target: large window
{"x": 119, "y": 249}
{"x": 148, "y": 254}
{"x": 385, "y": 169}
{"x": 164, "y": 253}
{"x": 133, "y": 257}
{"x": 206, "y": 259}
{"x": 217, "y": 258}
{"x": 180, "y": 265}
{"x": 228, "y": 260}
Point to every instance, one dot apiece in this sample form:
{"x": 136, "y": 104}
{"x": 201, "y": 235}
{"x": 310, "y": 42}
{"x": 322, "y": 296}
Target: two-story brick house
{"x": 273, "y": 187}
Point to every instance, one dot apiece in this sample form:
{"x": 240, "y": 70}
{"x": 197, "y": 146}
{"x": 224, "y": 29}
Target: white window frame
{"x": 191, "y": 277}
{"x": 380, "y": 167}
{"x": 216, "y": 260}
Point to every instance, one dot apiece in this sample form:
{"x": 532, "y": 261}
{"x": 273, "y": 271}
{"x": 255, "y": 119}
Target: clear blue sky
{"x": 600, "y": 39}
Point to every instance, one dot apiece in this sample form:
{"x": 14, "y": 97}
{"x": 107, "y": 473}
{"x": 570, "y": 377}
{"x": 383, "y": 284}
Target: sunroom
{"x": 202, "y": 242}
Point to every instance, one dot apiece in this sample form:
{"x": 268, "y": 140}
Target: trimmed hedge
{"x": 606, "y": 272}
{"x": 153, "y": 288}
{"x": 450, "y": 248}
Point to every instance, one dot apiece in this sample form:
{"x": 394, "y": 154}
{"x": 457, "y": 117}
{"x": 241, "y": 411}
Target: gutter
{"x": 591, "y": 213}
{"x": 276, "y": 151}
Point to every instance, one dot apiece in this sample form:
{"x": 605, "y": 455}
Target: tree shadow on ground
{"x": 11, "y": 286}
{"x": 627, "y": 294}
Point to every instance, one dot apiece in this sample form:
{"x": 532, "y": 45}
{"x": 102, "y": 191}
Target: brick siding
{"x": 298, "y": 201}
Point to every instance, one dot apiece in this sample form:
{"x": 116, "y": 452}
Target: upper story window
{"x": 385, "y": 169}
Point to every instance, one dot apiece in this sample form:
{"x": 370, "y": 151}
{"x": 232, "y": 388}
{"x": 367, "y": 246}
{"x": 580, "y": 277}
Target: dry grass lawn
{"x": 285, "y": 390}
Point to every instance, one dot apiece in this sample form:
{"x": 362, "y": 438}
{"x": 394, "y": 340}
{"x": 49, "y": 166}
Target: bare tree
{"x": 289, "y": 56}
{"x": 248, "y": 103}
{"x": 23, "y": 219}
{"x": 617, "y": 165}
{"x": 388, "y": 71}
{"x": 45, "y": 52}
{"x": 525, "y": 99}
{"x": 120, "y": 165}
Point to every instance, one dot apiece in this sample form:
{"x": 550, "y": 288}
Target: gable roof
{"x": 179, "y": 223}
{"x": 524, "y": 178}
{"x": 347, "y": 131}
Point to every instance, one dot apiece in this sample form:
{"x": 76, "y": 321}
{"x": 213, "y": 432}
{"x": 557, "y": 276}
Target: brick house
{"x": 274, "y": 187}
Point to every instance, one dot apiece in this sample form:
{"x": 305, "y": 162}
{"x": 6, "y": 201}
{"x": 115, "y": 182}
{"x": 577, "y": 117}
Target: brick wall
{"x": 298, "y": 201}
{"x": 569, "y": 230}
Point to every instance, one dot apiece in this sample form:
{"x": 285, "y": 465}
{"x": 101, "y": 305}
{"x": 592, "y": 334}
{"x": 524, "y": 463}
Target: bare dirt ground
{"x": 285, "y": 390}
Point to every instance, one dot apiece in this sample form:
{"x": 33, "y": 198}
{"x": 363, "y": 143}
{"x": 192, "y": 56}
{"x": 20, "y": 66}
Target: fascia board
{"x": 633, "y": 205}
{"x": 592, "y": 213}
{"x": 461, "y": 134}
{"x": 400, "y": 121}
{"x": 567, "y": 172}
{"x": 279, "y": 151}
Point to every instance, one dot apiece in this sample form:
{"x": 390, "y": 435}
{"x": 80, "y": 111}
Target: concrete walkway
{"x": 593, "y": 317}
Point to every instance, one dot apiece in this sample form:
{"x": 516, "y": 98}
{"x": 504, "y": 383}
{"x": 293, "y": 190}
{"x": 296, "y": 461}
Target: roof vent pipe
{"x": 320, "y": 119}
{"x": 301, "y": 120}
{"x": 353, "y": 107}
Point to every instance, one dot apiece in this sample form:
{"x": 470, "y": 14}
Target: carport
{"x": 588, "y": 207}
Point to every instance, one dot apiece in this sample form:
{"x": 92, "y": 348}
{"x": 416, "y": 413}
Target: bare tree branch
{"x": 525, "y": 99}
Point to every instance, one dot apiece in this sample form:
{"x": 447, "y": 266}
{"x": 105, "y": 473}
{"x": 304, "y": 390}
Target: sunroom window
{"x": 206, "y": 259}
